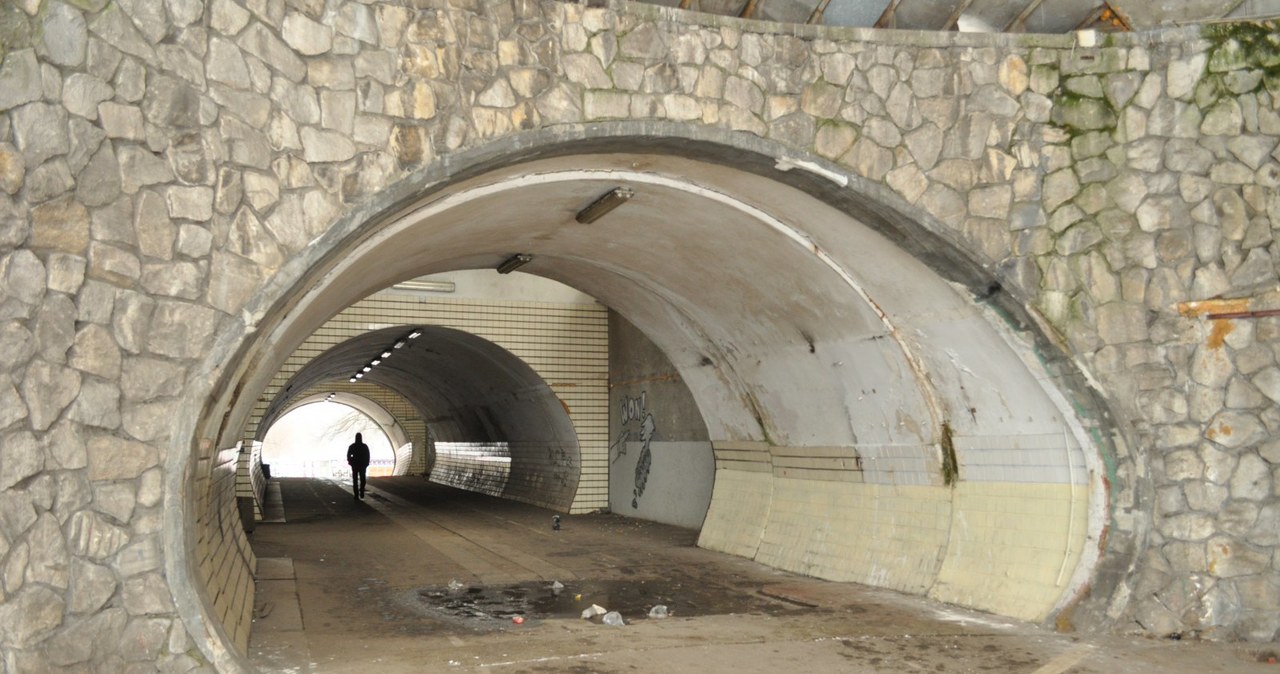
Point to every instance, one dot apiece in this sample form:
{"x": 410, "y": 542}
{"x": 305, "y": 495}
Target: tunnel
{"x": 880, "y": 411}
{"x": 478, "y": 401}
{"x": 385, "y": 421}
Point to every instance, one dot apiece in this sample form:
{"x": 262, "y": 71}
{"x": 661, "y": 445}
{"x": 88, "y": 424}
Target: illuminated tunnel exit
{"x": 483, "y": 419}
{"x": 310, "y": 440}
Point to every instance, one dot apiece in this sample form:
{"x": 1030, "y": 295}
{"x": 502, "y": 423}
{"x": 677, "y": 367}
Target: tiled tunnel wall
{"x": 1005, "y": 539}
{"x": 565, "y": 344}
{"x": 225, "y": 564}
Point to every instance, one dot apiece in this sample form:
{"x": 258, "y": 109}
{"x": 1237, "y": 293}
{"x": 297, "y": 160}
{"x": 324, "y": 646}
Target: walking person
{"x": 358, "y": 459}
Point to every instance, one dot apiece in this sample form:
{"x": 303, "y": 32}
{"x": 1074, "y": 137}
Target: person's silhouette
{"x": 358, "y": 459}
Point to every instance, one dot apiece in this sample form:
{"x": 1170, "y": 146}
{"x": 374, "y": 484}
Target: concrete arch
{"x": 835, "y": 310}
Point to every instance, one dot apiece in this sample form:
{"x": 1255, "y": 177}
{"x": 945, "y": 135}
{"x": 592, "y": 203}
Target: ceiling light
{"x": 359, "y": 375}
{"x": 607, "y": 202}
{"x": 352, "y": 380}
{"x": 399, "y": 344}
{"x": 514, "y": 262}
{"x": 376, "y": 362}
{"x": 387, "y": 354}
{"x": 426, "y": 286}
{"x": 414, "y": 335}
{"x": 366, "y": 368}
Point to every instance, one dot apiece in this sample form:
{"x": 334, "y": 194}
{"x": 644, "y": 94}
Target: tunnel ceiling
{"x": 731, "y": 275}
{"x": 446, "y": 374}
{"x": 1015, "y": 16}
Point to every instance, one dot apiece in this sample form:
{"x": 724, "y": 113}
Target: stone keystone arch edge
{"x": 1147, "y": 189}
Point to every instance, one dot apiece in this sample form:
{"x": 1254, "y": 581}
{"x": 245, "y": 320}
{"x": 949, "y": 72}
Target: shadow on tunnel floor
{"x": 422, "y": 577}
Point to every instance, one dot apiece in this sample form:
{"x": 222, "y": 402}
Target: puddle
{"x": 631, "y": 597}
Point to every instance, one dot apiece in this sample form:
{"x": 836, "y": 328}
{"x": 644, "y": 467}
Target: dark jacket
{"x": 358, "y": 454}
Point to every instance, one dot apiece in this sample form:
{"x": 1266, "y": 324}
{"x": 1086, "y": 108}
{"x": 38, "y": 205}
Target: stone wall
{"x": 167, "y": 169}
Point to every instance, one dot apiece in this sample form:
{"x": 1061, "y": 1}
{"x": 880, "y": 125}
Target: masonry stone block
{"x": 1122, "y": 322}
{"x": 1252, "y": 478}
{"x": 869, "y": 159}
{"x": 91, "y": 586}
{"x": 15, "y": 567}
{"x": 92, "y": 535}
{"x": 925, "y": 145}
{"x": 22, "y": 458}
{"x": 1060, "y": 187}
{"x": 180, "y": 329}
{"x": 1253, "y": 150}
{"x": 1257, "y": 268}
{"x": 1210, "y": 281}
{"x": 146, "y": 594}
{"x": 114, "y": 458}
{"x": 82, "y": 93}
{"x": 305, "y": 35}
{"x": 29, "y": 616}
{"x": 1219, "y": 464}
{"x": 1187, "y": 526}
{"x": 258, "y": 40}
{"x": 1233, "y": 429}
{"x": 49, "y": 561}
{"x": 1205, "y": 496}
{"x": 12, "y": 409}
{"x": 47, "y": 389}
{"x": 1237, "y": 517}
{"x": 1204, "y": 403}
{"x": 20, "y": 79}
{"x": 12, "y": 169}
{"x": 40, "y": 132}
{"x": 49, "y": 180}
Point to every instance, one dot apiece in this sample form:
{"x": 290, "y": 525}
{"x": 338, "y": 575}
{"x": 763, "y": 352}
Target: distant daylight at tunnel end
{"x": 966, "y": 306}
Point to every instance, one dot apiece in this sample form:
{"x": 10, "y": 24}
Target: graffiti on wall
{"x": 637, "y": 426}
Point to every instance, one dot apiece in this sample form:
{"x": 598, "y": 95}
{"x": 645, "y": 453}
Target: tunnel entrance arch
{"x": 780, "y": 297}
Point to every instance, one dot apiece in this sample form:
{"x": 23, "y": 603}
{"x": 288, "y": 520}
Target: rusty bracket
{"x": 1259, "y": 313}
{"x": 1224, "y": 309}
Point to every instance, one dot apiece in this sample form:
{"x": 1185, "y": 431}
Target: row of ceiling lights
{"x": 399, "y": 344}
{"x": 594, "y": 211}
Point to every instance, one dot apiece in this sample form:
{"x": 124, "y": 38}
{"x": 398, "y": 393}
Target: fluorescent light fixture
{"x": 352, "y": 380}
{"x": 399, "y": 344}
{"x": 418, "y": 285}
{"x": 359, "y": 375}
{"x": 387, "y": 354}
{"x": 514, "y": 262}
{"x": 366, "y": 368}
{"x": 415, "y": 334}
{"x": 376, "y": 362}
{"x": 607, "y": 202}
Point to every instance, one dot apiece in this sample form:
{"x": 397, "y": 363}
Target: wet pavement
{"x": 425, "y": 578}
